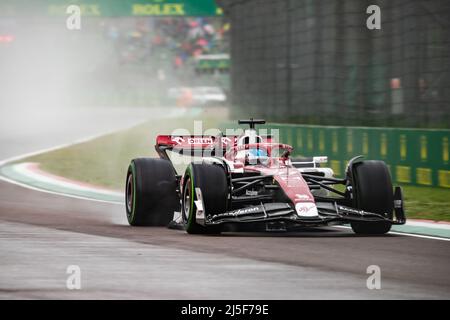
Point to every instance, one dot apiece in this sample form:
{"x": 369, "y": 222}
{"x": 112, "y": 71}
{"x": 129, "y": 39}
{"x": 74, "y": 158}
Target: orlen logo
{"x": 306, "y": 209}
{"x": 200, "y": 141}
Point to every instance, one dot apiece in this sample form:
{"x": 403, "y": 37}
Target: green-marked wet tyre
{"x": 150, "y": 194}
{"x": 372, "y": 188}
{"x": 212, "y": 181}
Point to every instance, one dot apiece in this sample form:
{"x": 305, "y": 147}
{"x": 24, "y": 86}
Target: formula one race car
{"x": 249, "y": 183}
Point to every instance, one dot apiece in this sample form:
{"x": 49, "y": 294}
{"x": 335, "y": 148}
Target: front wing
{"x": 329, "y": 213}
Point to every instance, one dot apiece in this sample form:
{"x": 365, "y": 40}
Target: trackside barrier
{"x": 415, "y": 156}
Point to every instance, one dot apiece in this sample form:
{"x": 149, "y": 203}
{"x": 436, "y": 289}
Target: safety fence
{"x": 317, "y": 62}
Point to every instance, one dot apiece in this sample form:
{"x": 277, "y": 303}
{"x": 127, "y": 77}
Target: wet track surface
{"x": 41, "y": 234}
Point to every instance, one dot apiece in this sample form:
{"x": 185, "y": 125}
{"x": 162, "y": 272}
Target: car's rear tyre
{"x": 150, "y": 193}
{"x": 372, "y": 192}
{"x": 212, "y": 181}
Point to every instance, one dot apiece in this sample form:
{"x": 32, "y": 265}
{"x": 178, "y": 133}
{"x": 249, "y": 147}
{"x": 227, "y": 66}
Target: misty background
{"x": 121, "y": 61}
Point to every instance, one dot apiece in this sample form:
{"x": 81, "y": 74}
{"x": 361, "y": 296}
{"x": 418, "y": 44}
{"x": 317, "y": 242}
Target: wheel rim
{"x": 187, "y": 200}
{"x": 130, "y": 194}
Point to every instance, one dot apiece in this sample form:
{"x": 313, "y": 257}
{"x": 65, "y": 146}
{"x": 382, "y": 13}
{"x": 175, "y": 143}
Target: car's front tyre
{"x": 372, "y": 192}
{"x": 213, "y": 185}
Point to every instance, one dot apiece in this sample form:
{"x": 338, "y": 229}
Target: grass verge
{"x": 104, "y": 162}
{"x": 427, "y": 203}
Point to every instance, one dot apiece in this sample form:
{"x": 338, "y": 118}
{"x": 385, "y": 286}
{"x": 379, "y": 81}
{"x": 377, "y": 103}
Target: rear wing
{"x": 196, "y": 145}
{"x": 193, "y": 145}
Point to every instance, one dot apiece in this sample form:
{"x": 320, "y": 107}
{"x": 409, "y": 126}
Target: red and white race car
{"x": 249, "y": 183}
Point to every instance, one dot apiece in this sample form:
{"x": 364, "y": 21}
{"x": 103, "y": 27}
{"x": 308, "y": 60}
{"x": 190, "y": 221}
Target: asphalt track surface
{"x": 42, "y": 234}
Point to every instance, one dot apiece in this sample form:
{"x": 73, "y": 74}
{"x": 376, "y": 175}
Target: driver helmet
{"x": 256, "y": 156}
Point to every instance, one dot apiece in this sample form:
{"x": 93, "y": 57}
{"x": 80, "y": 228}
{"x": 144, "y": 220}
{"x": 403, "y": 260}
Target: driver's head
{"x": 256, "y": 156}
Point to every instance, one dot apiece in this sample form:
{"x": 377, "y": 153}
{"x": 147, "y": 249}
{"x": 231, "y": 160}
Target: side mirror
{"x": 286, "y": 154}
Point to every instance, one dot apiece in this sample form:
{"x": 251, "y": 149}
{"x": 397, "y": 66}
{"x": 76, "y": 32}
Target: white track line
{"x": 33, "y": 172}
{"x": 65, "y": 145}
{"x": 419, "y": 236}
{"x": 406, "y": 234}
{"x": 61, "y": 146}
{"x": 56, "y": 193}
{"x": 119, "y": 203}
{"x": 415, "y": 223}
{"x": 26, "y": 155}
